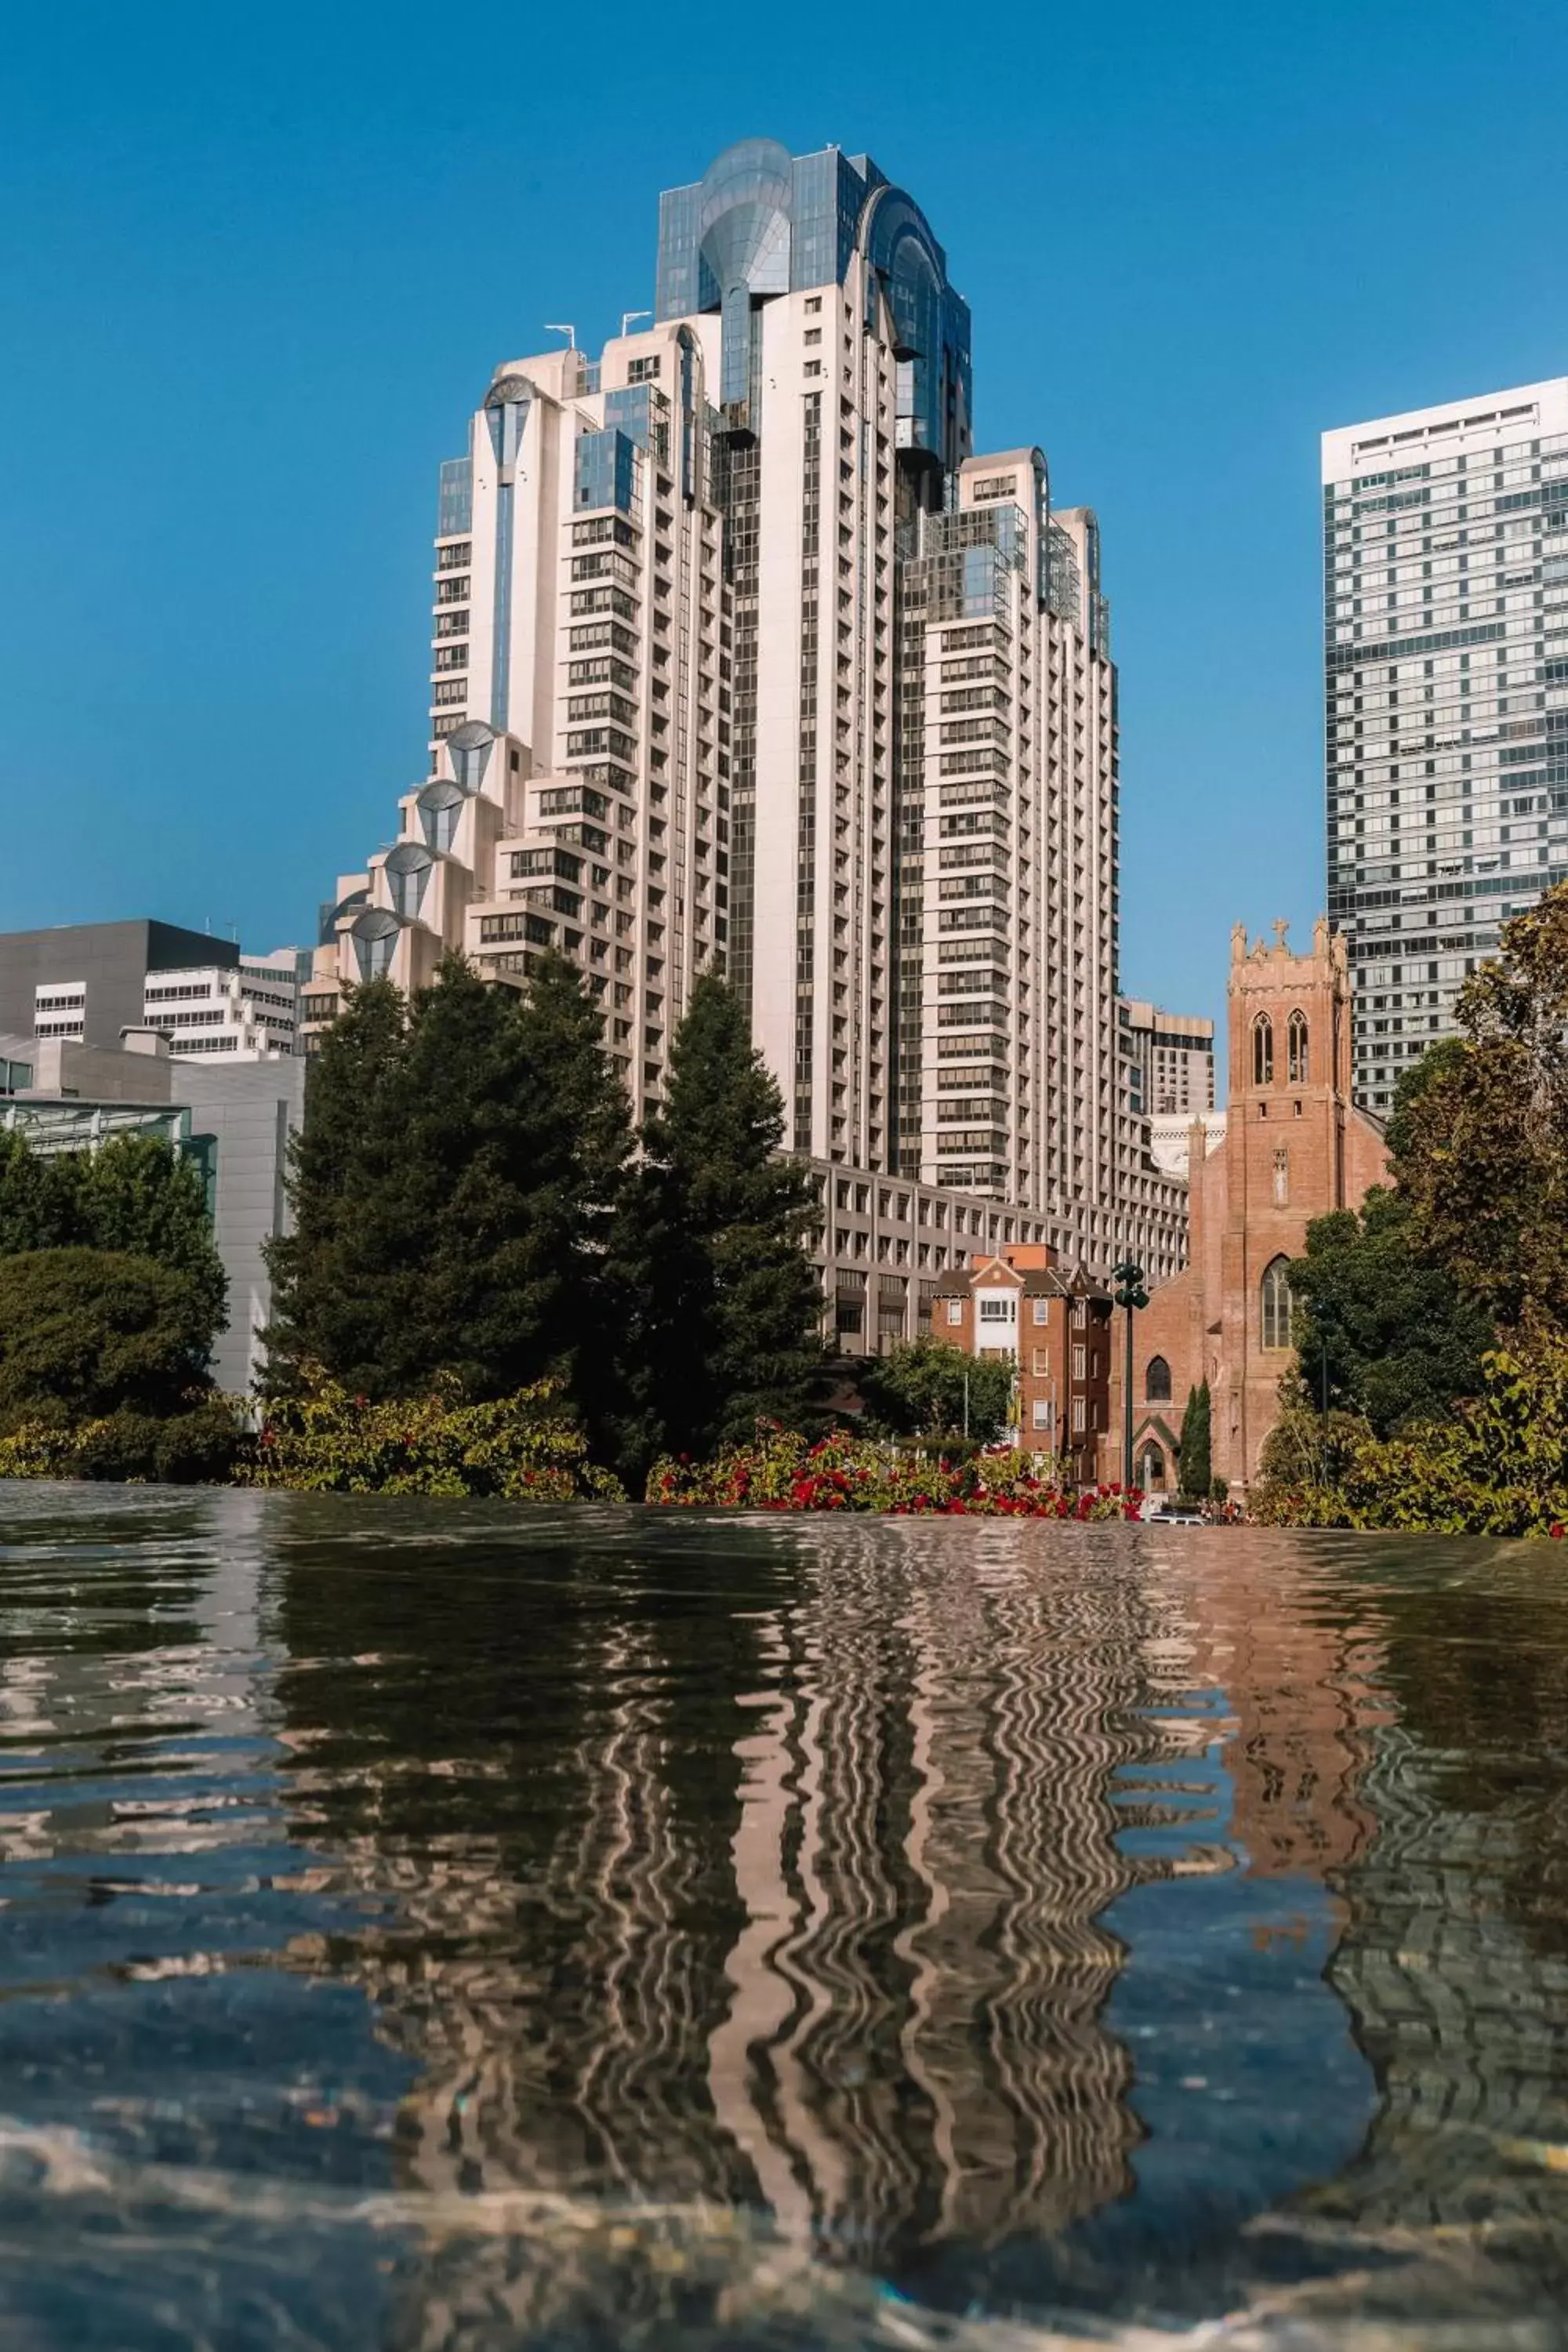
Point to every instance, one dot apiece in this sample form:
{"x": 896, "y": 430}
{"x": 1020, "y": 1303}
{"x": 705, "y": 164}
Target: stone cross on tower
{"x": 1279, "y": 927}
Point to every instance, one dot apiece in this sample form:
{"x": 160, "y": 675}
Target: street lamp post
{"x": 1130, "y": 1295}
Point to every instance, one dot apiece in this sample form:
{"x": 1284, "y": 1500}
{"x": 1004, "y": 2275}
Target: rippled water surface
{"x": 431, "y": 1925}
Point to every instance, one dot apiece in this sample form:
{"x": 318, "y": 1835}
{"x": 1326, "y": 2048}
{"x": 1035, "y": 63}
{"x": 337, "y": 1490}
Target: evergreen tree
{"x": 723, "y": 1315}
{"x": 453, "y": 1189}
{"x": 518, "y": 1107}
{"x": 1195, "y": 1475}
{"x": 346, "y": 1276}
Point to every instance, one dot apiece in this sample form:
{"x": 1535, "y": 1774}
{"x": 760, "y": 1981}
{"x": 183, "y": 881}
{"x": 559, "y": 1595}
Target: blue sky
{"x": 258, "y": 267}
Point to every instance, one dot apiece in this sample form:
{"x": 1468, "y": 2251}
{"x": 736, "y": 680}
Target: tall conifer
{"x": 345, "y": 1277}
{"x": 723, "y": 1310}
{"x": 453, "y": 1189}
{"x": 1195, "y": 1470}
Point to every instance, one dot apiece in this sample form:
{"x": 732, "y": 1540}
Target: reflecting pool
{"x": 439, "y": 1927}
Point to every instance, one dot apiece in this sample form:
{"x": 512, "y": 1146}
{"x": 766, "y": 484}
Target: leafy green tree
{"x": 1381, "y": 1332}
{"x": 723, "y": 1312}
{"x": 918, "y": 1389}
{"x": 1480, "y": 1132}
{"x": 1497, "y": 1464}
{"x": 1195, "y": 1466}
{"x": 136, "y": 1194}
{"x": 33, "y": 1207}
{"x": 86, "y": 1332}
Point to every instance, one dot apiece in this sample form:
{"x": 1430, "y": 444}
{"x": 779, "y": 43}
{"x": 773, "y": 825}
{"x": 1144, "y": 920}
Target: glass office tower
{"x": 1445, "y": 649}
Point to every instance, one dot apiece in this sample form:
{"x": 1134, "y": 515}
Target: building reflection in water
{"x": 780, "y": 1877}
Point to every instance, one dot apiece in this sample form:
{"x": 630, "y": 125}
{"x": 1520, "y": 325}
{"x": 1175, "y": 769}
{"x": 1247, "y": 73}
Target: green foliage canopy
{"x": 917, "y": 1390}
{"x": 135, "y": 1195}
{"x": 722, "y": 1311}
{"x": 1497, "y": 1466}
{"x": 453, "y": 1188}
{"x": 1386, "y": 1333}
{"x": 1480, "y": 1136}
{"x": 86, "y": 1333}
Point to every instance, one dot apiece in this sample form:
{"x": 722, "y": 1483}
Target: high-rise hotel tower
{"x": 1446, "y": 635}
{"x": 741, "y": 655}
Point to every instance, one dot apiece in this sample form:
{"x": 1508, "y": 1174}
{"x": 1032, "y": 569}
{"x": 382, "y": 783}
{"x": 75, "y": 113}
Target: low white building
{"x": 248, "y": 1012}
{"x": 1171, "y": 1138}
{"x": 233, "y": 1118}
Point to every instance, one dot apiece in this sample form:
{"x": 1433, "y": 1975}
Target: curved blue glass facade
{"x": 761, "y": 223}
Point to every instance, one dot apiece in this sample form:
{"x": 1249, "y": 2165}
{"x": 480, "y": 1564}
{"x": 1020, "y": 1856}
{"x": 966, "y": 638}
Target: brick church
{"x": 1294, "y": 1148}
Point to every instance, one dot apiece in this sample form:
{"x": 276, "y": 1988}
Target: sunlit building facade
{"x": 1445, "y": 650}
{"x": 741, "y": 657}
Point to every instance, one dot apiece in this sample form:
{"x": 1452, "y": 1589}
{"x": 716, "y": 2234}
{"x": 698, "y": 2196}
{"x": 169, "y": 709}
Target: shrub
{"x": 1496, "y": 1467}
{"x": 521, "y": 1447}
{"x": 781, "y": 1471}
{"x": 86, "y": 1333}
{"x": 195, "y": 1448}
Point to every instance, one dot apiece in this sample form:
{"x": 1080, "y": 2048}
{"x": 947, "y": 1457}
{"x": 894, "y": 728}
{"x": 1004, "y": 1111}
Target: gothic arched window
{"x": 1263, "y": 1051}
{"x": 1275, "y": 1305}
{"x": 1298, "y": 1049}
{"x": 1157, "y": 1381}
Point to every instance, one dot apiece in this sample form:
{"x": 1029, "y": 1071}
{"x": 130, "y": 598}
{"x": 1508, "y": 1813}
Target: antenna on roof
{"x": 553, "y": 327}
{"x": 627, "y": 316}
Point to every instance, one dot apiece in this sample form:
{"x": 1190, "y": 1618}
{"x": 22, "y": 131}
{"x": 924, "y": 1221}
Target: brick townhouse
{"x": 1054, "y": 1326}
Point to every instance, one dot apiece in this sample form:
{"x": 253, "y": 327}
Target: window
{"x": 1079, "y": 1413}
{"x": 1263, "y": 1051}
{"x": 1276, "y": 1304}
{"x": 1157, "y": 1381}
{"x": 1297, "y": 1055}
{"x": 1079, "y": 1363}
{"x": 1042, "y": 1307}
{"x": 996, "y": 1310}
{"x": 643, "y": 371}
{"x": 1040, "y": 1363}
{"x": 956, "y": 1310}
{"x": 1041, "y": 1413}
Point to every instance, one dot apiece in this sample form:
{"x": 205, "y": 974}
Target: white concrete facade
{"x": 691, "y": 706}
{"x": 247, "y": 1013}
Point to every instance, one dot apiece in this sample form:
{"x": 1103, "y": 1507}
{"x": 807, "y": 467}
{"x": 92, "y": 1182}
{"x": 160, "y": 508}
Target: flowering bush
{"x": 1496, "y": 1466}
{"x": 198, "y": 1447}
{"x": 781, "y": 1471}
{"x": 519, "y": 1447}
